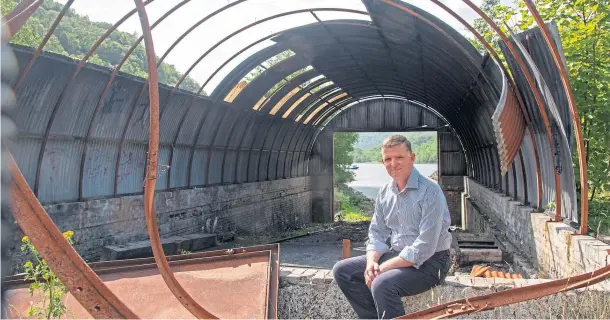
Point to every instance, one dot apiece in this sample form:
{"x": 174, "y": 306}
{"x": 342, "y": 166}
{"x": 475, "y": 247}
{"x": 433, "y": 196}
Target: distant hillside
{"x": 367, "y": 148}
{"x": 367, "y": 140}
{"x": 76, "y": 34}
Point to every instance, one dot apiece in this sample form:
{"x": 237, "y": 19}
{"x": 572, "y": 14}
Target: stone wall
{"x": 312, "y": 294}
{"x": 551, "y": 246}
{"x": 250, "y": 208}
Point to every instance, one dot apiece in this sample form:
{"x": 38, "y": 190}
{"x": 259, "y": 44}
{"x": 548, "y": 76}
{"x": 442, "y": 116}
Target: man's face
{"x": 398, "y": 161}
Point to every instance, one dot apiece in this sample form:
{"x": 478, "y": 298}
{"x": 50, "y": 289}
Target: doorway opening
{"x": 358, "y": 173}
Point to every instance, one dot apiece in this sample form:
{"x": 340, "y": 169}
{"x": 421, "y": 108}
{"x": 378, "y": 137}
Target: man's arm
{"x": 376, "y": 246}
{"x": 430, "y": 228}
{"x": 378, "y": 233}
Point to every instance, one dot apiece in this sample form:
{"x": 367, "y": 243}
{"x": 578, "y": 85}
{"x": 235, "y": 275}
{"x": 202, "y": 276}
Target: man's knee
{"x": 339, "y": 270}
{"x": 381, "y": 286}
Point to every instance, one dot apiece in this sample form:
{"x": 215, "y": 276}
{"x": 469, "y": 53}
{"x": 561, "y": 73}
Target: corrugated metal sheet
{"x": 191, "y": 123}
{"x": 78, "y": 102}
{"x": 180, "y": 170}
{"x": 198, "y": 167}
{"x": 242, "y": 165}
{"x": 211, "y": 122}
{"x": 131, "y": 168}
{"x": 25, "y": 152}
{"x": 59, "y": 177}
{"x": 272, "y": 168}
{"x": 228, "y": 169}
{"x": 112, "y": 113}
{"x": 215, "y": 170}
{"x": 100, "y": 168}
{"x": 39, "y": 91}
{"x": 170, "y": 116}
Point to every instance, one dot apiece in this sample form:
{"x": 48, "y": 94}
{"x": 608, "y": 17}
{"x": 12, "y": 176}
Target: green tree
{"x": 343, "y": 148}
{"x": 584, "y": 28}
{"x": 75, "y": 35}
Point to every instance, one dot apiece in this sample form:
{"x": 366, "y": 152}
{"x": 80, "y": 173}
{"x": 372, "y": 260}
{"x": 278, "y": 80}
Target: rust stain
{"x": 142, "y": 288}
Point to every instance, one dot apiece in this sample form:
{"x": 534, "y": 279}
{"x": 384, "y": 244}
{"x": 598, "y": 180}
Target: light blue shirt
{"x": 417, "y": 218}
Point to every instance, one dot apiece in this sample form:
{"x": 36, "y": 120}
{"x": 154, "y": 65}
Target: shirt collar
{"x": 412, "y": 182}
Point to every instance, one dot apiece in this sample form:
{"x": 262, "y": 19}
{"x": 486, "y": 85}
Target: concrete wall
{"x": 313, "y": 294}
{"x": 250, "y": 208}
{"x": 453, "y": 186}
{"x": 550, "y": 246}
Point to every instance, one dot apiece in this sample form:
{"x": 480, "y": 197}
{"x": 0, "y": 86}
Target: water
{"x": 372, "y": 176}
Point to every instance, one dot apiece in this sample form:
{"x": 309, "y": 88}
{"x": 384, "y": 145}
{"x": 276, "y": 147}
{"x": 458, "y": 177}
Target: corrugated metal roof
{"x": 437, "y": 74}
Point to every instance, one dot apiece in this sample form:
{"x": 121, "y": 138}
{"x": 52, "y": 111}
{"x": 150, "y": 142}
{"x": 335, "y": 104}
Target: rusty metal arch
{"x": 23, "y": 192}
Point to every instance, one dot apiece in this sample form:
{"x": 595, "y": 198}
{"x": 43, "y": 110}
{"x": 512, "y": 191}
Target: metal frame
{"x": 101, "y": 302}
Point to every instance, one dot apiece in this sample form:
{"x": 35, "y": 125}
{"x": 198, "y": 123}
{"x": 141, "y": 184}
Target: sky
{"x": 193, "y": 46}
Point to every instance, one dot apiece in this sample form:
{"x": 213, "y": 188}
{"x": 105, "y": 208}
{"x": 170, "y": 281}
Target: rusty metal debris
{"x": 346, "y": 248}
{"x": 498, "y": 299}
{"x": 486, "y": 272}
{"x": 207, "y": 275}
{"x": 103, "y": 296}
{"x": 85, "y": 286}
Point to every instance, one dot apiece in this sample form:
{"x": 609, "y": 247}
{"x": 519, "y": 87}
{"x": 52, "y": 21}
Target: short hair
{"x": 396, "y": 140}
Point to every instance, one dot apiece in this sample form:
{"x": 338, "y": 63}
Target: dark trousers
{"x": 383, "y": 299}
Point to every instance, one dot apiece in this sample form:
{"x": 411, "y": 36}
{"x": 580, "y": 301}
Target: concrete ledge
{"x": 312, "y": 294}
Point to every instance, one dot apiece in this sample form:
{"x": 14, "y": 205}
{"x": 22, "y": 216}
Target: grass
{"x": 599, "y": 214}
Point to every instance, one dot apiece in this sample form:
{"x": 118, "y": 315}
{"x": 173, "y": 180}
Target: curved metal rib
{"x": 584, "y": 187}
{"x": 86, "y": 287}
{"x": 151, "y": 177}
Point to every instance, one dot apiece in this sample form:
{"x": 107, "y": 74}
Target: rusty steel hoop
{"x": 91, "y": 292}
{"x": 61, "y": 257}
{"x": 151, "y": 177}
{"x": 584, "y": 186}
{"x": 502, "y": 298}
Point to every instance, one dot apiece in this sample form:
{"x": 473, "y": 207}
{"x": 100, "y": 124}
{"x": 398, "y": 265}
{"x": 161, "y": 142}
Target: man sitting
{"x": 412, "y": 210}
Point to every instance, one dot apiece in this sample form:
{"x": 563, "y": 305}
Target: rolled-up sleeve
{"x": 429, "y": 231}
{"x": 378, "y": 230}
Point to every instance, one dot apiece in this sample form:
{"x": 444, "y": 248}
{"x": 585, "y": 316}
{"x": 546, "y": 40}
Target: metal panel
{"x": 138, "y": 125}
{"x": 241, "y": 126}
{"x": 78, "y": 102}
{"x": 131, "y": 168}
{"x": 99, "y": 170}
{"x": 224, "y": 129}
{"x": 171, "y": 114}
{"x": 58, "y": 179}
{"x": 242, "y": 167}
{"x": 162, "y": 172}
{"x": 263, "y": 165}
{"x": 191, "y": 123}
{"x": 229, "y": 166}
{"x": 392, "y": 114}
{"x": 39, "y": 91}
{"x": 216, "y": 166}
{"x": 280, "y": 164}
{"x": 180, "y": 168}
{"x": 25, "y": 152}
{"x": 211, "y": 122}
{"x": 198, "y": 167}
{"x": 253, "y": 166}
{"x": 113, "y": 111}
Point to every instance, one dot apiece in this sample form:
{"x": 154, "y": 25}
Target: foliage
{"x": 584, "y": 28}
{"x": 45, "y": 282}
{"x": 367, "y": 140}
{"x": 599, "y": 214}
{"x": 424, "y": 144}
{"x": 343, "y": 158}
{"x": 353, "y": 205}
{"x": 76, "y": 34}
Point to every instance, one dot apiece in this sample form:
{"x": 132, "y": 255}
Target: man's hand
{"x": 396, "y": 262}
{"x": 371, "y": 271}
{"x": 372, "y": 267}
